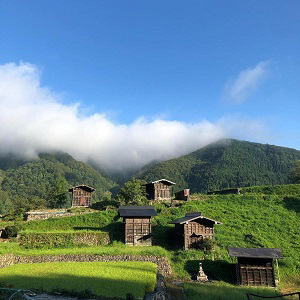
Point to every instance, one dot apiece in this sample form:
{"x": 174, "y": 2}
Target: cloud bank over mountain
{"x": 34, "y": 119}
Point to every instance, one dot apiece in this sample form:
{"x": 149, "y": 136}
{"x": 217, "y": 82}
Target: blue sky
{"x": 221, "y": 62}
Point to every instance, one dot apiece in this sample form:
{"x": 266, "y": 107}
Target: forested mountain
{"x": 33, "y": 183}
{"x": 226, "y": 164}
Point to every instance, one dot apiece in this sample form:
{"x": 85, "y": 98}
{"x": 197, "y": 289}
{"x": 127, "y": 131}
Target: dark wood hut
{"x": 81, "y": 195}
{"x": 255, "y": 265}
{"x": 137, "y": 224}
{"x": 183, "y": 195}
{"x": 159, "y": 190}
{"x": 193, "y": 228}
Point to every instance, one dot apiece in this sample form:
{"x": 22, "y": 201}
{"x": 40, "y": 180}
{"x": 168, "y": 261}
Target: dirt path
{"x": 175, "y": 291}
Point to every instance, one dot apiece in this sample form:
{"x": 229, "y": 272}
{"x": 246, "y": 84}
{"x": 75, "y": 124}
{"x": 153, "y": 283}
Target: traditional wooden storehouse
{"x": 159, "y": 190}
{"x": 81, "y": 195}
{"x": 137, "y": 224}
{"x": 183, "y": 195}
{"x": 192, "y": 229}
{"x": 255, "y": 265}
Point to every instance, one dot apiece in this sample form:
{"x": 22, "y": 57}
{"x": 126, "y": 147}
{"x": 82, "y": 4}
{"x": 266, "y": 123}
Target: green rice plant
{"x": 111, "y": 279}
{"x": 114, "y": 249}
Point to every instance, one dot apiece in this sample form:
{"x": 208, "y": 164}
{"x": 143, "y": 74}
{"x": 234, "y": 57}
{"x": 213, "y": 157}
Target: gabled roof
{"x": 137, "y": 211}
{"x": 164, "y": 180}
{"x": 91, "y": 189}
{"x": 255, "y": 252}
{"x": 191, "y": 217}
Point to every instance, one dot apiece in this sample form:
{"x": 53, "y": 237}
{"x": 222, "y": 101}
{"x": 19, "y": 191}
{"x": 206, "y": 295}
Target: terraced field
{"x": 111, "y": 279}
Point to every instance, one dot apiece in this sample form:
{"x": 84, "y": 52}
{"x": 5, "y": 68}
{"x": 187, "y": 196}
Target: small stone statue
{"x": 201, "y": 276}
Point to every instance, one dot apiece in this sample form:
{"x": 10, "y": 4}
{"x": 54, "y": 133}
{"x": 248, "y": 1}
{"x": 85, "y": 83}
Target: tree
{"x": 133, "y": 192}
{"x": 59, "y": 196}
{"x": 5, "y": 203}
{"x": 295, "y": 173}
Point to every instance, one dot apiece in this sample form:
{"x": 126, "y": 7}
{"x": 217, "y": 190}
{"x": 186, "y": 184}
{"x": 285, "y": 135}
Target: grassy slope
{"x": 249, "y": 220}
{"x": 196, "y": 291}
{"x": 113, "y": 279}
{"x": 114, "y": 249}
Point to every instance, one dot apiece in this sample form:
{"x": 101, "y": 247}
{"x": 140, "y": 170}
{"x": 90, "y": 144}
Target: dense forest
{"x": 226, "y": 164}
{"x": 33, "y": 184}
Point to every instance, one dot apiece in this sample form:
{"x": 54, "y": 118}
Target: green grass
{"x": 279, "y": 189}
{"x": 250, "y": 220}
{"x": 196, "y": 291}
{"x": 92, "y": 221}
{"x": 113, "y": 279}
{"x": 270, "y": 221}
{"x": 115, "y": 249}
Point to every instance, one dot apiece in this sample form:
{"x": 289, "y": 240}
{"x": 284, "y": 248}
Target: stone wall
{"x": 160, "y": 292}
{"x": 42, "y": 215}
{"x": 163, "y": 265}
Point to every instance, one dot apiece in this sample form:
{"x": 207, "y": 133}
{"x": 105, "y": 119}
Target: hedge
{"x": 283, "y": 189}
{"x": 62, "y": 239}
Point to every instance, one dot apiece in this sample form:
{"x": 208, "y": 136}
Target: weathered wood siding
{"x": 158, "y": 191}
{"x": 183, "y": 195}
{"x": 81, "y": 197}
{"x": 195, "y": 231}
{"x": 138, "y": 231}
{"x": 255, "y": 271}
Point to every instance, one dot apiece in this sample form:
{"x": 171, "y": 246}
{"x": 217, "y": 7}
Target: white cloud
{"x": 240, "y": 88}
{"x": 33, "y": 119}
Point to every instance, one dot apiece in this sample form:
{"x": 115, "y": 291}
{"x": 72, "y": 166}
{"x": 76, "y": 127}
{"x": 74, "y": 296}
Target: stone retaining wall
{"x": 163, "y": 265}
{"x": 40, "y": 215}
{"x": 160, "y": 292}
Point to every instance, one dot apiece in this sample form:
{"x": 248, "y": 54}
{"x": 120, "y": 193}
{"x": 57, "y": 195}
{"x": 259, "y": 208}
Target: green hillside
{"x": 33, "y": 182}
{"x": 250, "y": 220}
{"x": 226, "y": 164}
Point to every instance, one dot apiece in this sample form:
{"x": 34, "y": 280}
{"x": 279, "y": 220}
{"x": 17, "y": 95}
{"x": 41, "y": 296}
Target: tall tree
{"x": 59, "y": 197}
{"x": 133, "y": 192}
{"x": 295, "y": 173}
{"x": 5, "y": 203}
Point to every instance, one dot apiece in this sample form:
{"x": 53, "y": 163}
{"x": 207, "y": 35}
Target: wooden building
{"x": 255, "y": 266}
{"x": 183, "y": 195}
{"x": 81, "y": 195}
{"x": 159, "y": 190}
{"x": 192, "y": 229}
{"x": 137, "y": 224}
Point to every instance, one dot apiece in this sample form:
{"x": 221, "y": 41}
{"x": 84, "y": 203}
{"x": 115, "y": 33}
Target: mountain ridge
{"x": 226, "y": 163}
{"x": 34, "y": 181}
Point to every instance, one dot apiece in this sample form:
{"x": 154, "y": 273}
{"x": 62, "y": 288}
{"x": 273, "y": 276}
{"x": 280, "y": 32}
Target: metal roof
{"x": 165, "y": 180}
{"x": 191, "y": 217}
{"x": 137, "y": 211}
{"x": 83, "y": 186}
{"x": 255, "y": 252}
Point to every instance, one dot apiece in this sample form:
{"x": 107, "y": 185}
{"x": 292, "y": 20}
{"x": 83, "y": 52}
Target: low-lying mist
{"x": 34, "y": 119}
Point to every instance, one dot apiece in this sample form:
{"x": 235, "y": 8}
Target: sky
{"x": 123, "y": 83}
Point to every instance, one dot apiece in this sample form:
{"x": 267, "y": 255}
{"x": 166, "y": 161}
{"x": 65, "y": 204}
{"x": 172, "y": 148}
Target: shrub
{"x": 62, "y": 239}
{"x": 205, "y": 244}
{"x": 129, "y": 296}
{"x": 10, "y": 231}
